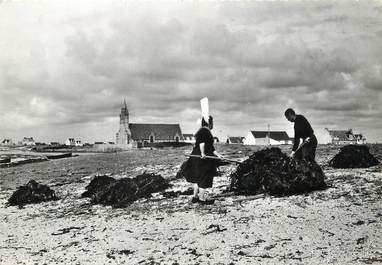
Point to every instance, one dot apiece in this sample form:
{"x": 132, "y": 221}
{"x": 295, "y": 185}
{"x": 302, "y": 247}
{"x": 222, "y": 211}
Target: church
{"x": 145, "y": 134}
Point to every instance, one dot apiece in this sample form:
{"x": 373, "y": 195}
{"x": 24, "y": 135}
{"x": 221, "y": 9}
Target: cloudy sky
{"x": 66, "y": 66}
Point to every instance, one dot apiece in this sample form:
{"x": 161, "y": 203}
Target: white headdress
{"x": 205, "y": 108}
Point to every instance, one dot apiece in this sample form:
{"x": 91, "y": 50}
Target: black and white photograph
{"x": 181, "y": 132}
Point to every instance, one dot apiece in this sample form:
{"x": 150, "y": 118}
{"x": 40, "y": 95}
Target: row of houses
{"x": 253, "y": 138}
{"x": 29, "y": 141}
{"x": 165, "y": 133}
{"x": 338, "y": 137}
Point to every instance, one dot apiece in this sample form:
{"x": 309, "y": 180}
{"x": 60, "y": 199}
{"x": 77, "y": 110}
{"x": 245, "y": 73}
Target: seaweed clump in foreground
{"x": 353, "y": 156}
{"x": 122, "y": 192}
{"x": 98, "y": 183}
{"x": 32, "y": 192}
{"x": 272, "y": 172}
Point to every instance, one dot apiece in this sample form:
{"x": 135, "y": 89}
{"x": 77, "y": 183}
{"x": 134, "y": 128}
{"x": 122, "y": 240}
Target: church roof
{"x": 161, "y": 132}
{"x": 341, "y": 135}
{"x": 275, "y": 135}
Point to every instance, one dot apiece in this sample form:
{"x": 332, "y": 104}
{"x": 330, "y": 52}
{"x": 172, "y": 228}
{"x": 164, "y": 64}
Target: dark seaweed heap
{"x": 96, "y": 184}
{"x": 273, "y": 172}
{"x": 32, "y": 192}
{"x": 122, "y": 192}
{"x": 353, "y": 156}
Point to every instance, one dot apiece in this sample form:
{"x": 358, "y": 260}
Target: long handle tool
{"x": 217, "y": 158}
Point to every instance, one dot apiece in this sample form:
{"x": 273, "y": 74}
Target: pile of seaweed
{"x": 272, "y": 172}
{"x": 122, "y": 192}
{"x": 32, "y": 192}
{"x": 98, "y": 183}
{"x": 353, "y": 156}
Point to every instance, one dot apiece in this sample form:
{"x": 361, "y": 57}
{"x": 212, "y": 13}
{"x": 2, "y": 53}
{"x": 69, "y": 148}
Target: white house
{"x": 267, "y": 138}
{"x": 189, "y": 138}
{"x": 6, "y": 142}
{"x": 78, "y": 143}
{"x": 235, "y": 140}
{"x": 28, "y": 141}
{"x": 70, "y": 142}
{"x": 340, "y": 137}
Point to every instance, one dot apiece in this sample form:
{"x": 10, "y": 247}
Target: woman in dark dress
{"x": 201, "y": 171}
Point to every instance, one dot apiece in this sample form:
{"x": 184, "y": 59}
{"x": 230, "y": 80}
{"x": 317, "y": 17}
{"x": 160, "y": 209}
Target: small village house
{"x": 70, "y": 142}
{"x": 78, "y": 143}
{"x": 267, "y": 138}
{"x": 341, "y": 137}
{"x": 6, "y": 142}
{"x": 28, "y": 141}
{"x": 189, "y": 138}
{"x": 235, "y": 140}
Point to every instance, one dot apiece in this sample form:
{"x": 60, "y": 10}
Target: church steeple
{"x": 123, "y": 136}
{"x": 124, "y": 116}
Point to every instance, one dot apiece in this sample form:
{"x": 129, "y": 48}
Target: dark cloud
{"x": 70, "y": 70}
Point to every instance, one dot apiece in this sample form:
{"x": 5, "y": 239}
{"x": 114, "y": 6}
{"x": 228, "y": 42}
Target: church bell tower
{"x": 124, "y": 116}
{"x": 123, "y": 136}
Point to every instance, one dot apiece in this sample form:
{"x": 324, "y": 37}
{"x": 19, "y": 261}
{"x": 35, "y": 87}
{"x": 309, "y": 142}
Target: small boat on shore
{"x": 22, "y": 161}
{"x": 58, "y": 156}
{"x": 5, "y": 160}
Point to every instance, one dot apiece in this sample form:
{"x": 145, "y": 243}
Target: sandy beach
{"x": 340, "y": 225}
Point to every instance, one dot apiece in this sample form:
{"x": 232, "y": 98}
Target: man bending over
{"x": 302, "y": 130}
